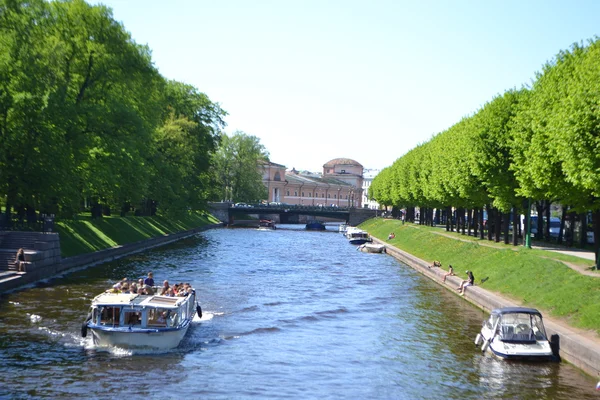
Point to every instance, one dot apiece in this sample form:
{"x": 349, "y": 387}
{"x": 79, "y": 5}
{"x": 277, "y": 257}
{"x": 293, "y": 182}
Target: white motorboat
{"x": 342, "y": 228}
{"x": 372, "y": 248}
{"x": 140, "y": 321}
{"x": 515, "y": 333}
{"x": 358, "y": 237}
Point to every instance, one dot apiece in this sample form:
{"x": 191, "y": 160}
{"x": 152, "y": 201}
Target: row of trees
{"x": 85, "y": 116}
{"x": 536, "y": 144}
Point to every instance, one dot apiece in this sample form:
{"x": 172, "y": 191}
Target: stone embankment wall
{"x": 48, "y": 262}
{"x": 575, "y": 348}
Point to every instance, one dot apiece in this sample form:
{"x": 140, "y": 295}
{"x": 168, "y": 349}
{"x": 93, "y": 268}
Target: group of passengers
{"x": 176, "y": 290}
{"x": 146, "y": 287}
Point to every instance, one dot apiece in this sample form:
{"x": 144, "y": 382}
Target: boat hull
{"x": 372, "y": 248}
{"x": 161, "y": 339}
{"x": 359, "y": 240}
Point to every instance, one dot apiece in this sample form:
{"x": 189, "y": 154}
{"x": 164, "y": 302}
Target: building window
{"x": 287, "y": 193}
{"x": 302, "y": 194}
{"x": 328, "y": 196}
{"x": 335, "y": 196}
{"x": 296, "y": 194}
{"x": 323, "y": 195}
{"x": 343, "y": 171}
{"x": 277, "y": 176}
{"x": 346, "y": 197}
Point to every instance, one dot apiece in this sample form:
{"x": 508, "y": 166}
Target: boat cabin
{"x": 141, "y": 311}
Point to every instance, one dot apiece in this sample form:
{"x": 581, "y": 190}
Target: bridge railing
{"x": 295, "y": 207}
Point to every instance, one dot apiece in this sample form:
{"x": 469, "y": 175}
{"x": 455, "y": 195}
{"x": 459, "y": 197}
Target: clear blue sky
{"x": 367, "y": 80}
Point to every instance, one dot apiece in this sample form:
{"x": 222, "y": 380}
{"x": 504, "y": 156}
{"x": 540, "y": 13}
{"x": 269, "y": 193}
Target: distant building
{"x": 368, "y": 176}
{"x": 340, "y": 184}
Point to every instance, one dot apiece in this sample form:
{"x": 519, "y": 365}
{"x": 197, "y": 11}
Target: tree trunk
{"x": 475, "y": 221}
{"x": 583, "y": 230}
{"x": 497, "y": 225}
{"x": 482, "y": 222}
{"x": 547, "y": 221}
{"x": 516, "y": 226}
{"x": 596, "y": 225}
{"x": 505, "y": 225}
{"x": 563, "y": 217}
{"x": 490, "y": 222}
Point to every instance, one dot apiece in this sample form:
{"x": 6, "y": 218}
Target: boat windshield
{"x": 521, "y": 326}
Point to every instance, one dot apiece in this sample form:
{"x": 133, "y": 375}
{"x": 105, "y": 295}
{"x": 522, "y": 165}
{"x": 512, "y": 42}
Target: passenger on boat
{"x": 470, "y": 281}
{"x": 120, "y": 284}
{"x": 150, "y": 279}
{"x": 133, "y": 289}
{"x": 166, "y": 285}
{"x": 148, "y": 289}
{"x": 140, "y": 282}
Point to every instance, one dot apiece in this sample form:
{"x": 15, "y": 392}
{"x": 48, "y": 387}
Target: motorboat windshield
{"x": 519, "y": 327}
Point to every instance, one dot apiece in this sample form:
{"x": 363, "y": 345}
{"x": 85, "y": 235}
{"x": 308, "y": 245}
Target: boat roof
{"x": 117, "y": 299}
{"x": 515, "y": 310}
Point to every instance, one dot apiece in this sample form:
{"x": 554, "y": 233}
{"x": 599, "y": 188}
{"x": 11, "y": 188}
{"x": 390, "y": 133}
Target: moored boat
{"x": 266, "y": 225}
{"x": 372, "y": 248}
{"x": 315, "y": 225}
{"x": 358, "y": 237}
{"x": 140, "y": 321}
{"x": 515, "y": 333}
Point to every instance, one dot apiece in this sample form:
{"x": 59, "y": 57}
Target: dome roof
{"x": 341, "y": 161}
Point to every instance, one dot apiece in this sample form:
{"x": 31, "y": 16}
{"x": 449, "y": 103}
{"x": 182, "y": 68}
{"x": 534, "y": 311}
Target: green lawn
{"x": 535, "y": 278}
{"x": 86, "y": 235}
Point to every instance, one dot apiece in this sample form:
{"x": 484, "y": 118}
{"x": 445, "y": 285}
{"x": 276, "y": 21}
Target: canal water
{"x": 288, "y": 314}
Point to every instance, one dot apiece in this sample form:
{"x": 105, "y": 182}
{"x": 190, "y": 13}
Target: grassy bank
{"x": 534, "y": 278}
{"x": 86, "y": 235}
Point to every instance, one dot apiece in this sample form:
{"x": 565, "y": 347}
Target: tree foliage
{"x": 86, "y": 117}
{"x": 539, "y": 143}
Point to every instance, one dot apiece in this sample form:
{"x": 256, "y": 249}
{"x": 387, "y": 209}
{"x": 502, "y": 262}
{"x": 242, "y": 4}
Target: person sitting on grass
{"x": 449, "y": 273}
{"x": 470, "y": 281}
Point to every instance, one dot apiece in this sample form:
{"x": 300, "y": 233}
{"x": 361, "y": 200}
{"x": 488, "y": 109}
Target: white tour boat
{"x": 140, "y": 321}
{"x": 515, "y": 333}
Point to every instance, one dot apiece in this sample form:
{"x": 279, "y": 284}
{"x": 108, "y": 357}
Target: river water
{"x": 288, "y": 314}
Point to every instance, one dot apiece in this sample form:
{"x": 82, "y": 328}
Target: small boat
{"x": 372, "y": 248}
{"x": 358, "y": 237}
{"x": 342, "y": 228}
{"x": 266, "y": 225}
{"x": 135, "y": 321}
{"x": 315, "y": 225}
{"x": 515, "y": 333}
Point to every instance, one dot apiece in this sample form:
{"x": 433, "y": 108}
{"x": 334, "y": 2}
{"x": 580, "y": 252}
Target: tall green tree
{"x": 238, "y": 168}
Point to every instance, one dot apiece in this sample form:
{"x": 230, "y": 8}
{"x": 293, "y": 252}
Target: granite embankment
{"x": 41, "y": 271}
{"x": 578, "y": 348}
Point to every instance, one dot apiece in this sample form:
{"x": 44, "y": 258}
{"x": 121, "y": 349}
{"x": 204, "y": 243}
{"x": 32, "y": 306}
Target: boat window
{"x": 174, "y": 319}
{"x": 133, "y": 318}
{"x": 538, "y": 327}
{"x": 491, "y": 321}
{"x": 158, "y": 316}
{"x": 110, "y": 316}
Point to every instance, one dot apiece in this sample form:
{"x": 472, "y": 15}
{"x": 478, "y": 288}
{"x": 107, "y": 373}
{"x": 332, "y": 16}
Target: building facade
{"x": 339, "y": 185}
{"x": 368, "y": 176}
